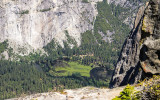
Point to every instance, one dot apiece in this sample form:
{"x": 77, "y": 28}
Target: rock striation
{"x": 34, "y": 23}
{"x": 140, "y": 55}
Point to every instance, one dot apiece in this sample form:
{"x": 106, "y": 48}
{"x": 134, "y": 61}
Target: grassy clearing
{"x": 75, "y": 67}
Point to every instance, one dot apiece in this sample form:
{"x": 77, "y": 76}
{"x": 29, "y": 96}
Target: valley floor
{"x": 86, "y": 93}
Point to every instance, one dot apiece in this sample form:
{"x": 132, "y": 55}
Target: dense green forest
{"x": 67, "y": 68}
{"x": 19, "y": 78}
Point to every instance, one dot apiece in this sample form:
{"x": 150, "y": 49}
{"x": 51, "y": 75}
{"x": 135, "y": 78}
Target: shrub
{"x": 44, "y": 10}
{"x": 3, "y": 46}
{"x": 76, "y": 75}
{"x": 151, "y": 90}
{"x": 128, "y": 93}
{"x": 85, "y": 1}
{"x": 24, "y": 12}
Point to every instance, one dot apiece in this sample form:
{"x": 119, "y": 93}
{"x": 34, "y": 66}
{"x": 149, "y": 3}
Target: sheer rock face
{"x": 140, "y": 55}
{"x": 34, "y": 23}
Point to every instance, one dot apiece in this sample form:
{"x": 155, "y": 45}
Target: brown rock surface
{"x": 140, "y": 56}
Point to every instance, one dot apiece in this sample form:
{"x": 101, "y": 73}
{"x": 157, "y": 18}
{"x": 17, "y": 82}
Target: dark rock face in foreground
{"x": 140, "y": 56}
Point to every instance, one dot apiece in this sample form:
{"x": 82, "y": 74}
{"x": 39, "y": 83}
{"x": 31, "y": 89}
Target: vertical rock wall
{"x": 145, "y": 34}
{"x": 34, "y": 23}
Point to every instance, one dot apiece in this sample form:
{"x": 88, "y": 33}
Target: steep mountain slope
{"x": 33, "y": 24}
{"x": 140, "y": 53}
{"x": 61, "y": 66}
{"x": 128, "y": 16}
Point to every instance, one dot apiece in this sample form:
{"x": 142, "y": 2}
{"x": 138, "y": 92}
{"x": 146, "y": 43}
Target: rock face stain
{"x": 139, "y": 57}
{"x": 34, "y": 23}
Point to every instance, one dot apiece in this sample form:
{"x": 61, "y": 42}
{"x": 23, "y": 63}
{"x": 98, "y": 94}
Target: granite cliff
{"x": 33, "y": 24}
{"x": 140, "y": 55}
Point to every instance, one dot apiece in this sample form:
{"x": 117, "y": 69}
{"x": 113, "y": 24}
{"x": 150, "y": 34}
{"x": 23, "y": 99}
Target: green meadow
{"x": 74, "y": 67}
